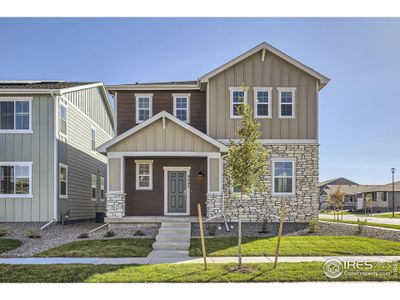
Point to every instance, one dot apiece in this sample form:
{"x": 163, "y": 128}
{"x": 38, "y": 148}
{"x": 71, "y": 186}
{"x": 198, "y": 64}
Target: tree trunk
{"x": 240, "y": 231}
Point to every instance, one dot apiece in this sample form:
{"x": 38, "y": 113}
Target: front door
{"x": 177, "y": 192}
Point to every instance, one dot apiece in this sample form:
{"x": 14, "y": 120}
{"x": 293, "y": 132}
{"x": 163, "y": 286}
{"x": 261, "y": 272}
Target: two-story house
{"x": 49, "y": 167}
{"x": 172, "y": 140}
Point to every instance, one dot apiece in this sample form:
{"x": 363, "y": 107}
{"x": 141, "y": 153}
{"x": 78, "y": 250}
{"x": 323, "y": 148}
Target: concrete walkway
{"x": 182, "y": 260}
{"x": 370, "y": 219}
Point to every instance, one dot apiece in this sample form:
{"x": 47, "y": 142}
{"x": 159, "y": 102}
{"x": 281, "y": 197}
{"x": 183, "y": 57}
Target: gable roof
{"x": 343, "y": 179}
{"x": 103, "y": 148}
{"x": 57, "y": 87}
{"x": 323, "y": 80}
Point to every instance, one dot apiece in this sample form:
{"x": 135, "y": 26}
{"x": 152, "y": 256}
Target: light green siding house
{"x": 49, "y": 167}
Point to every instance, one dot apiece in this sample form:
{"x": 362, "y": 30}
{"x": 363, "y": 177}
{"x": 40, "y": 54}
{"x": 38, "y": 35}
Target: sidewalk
{"x": 370, "y": 219}
{"x": 184, "y": 260}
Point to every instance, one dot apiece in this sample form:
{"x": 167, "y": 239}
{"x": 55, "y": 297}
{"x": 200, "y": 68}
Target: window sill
{"x": 283, "y": 117}
{"x": 283, "y": 194}
{"x": 16, "y": 131}
{"x": 15, "y": 196}
{"x": 144, "y": 189}
{"x": 263, "y": 117}
{"x": 63, "y": 196}
{"x": 236, "y": 117}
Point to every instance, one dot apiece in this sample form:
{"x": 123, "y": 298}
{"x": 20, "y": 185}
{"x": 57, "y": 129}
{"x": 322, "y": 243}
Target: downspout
{"x": 55, "y": 161}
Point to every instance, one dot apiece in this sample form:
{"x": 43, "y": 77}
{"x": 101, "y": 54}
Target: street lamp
{"x": 393, "y": 169}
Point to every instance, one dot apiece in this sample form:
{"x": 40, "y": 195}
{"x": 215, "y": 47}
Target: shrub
{"x": 109, "y": 233}
{"x": 138, "y": 233}
{"x": 83, "y": 235}
{"x": 4, "y": 231}
{"x": 313, "y": 226}
{"x": 211, "y": 229}
{"x": 264, "y": 226}
{"x": 33, "y": 233}
{"x": 361, "y": 224}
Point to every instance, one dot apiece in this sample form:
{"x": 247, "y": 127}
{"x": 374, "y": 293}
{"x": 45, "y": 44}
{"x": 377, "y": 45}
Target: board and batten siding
{"x": 272, "y": 72}
{"x": 87, "y": 100}
{"x": 36, "y": 147}
{"x": 76, "y": 152}
{"x": 155, "y": 138}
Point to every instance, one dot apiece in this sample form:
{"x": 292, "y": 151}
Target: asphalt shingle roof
{"x": 51, "y": 85}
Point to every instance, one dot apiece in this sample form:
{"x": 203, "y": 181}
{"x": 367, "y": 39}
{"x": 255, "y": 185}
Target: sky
{"x": 359, "y": 109}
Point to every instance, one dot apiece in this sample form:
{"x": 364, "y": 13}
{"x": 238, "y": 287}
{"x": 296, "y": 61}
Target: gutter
{"x": 55, "y": 161}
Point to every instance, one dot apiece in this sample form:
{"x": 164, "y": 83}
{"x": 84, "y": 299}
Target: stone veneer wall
{"x": 301, "y": 207}
{"x": 115, "y": 204}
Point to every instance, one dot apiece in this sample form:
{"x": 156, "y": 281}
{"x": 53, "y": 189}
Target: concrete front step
{"x": 168, "y": 245}
{"x": 175, "y": 225}
{"x": 174, "y": 230}
{"x": 169, "y": 253}
{"x": 173, "y": 237}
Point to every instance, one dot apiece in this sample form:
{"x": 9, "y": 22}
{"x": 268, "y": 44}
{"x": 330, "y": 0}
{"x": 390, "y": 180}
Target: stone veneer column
{"x": 301, "y": 207}
{"x": 115, "y": 204}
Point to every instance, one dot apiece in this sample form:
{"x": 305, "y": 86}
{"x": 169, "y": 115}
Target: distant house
{"x": 49, "y": 167}
{"x": 355, "y": 196}
{"x": 332, "y": 182}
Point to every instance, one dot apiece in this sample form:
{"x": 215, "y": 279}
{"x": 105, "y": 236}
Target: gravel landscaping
{"x": 57, "y": 235}
{"x": 301, "y": 229}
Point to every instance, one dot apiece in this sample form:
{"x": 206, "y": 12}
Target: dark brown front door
{"x": 177, "y": 194}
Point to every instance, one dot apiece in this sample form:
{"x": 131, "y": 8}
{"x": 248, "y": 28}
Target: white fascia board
{"x": 103, "y": 148}
{"x": 138, "y": 87}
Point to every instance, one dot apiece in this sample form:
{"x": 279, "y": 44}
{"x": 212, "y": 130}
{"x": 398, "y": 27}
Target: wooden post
{"x": 279, "y": 237}
{"x": 203, "y": 245}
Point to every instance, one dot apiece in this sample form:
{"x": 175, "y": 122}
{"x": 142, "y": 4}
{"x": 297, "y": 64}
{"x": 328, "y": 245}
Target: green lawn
{"x": 388, "y": 215}
{"x": 368, "y": 224}
{"x": 331, "y": 212}
{"x": 285, "y": 272}
{"x": 9, "y": 244}
{"x": 102, "y": 248}
{"x": 297, "y": 246}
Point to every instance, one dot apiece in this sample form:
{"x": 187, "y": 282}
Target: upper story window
{"x": 182, "y": 107}
{"x": 62, "y": 119}
{"x": 286, "y": 102}
{"x": 15, "y": 115}
{"x": 144, "y": 107}
{"x": 93, "y": 139}
{"x": 283, "y": 173}
{"x": 63, "y": 181}
{"x": 94, "y": 187}
{"x": 15, "y": 179}
{"x": 102, "y": 188}
{"x": 144, "y": 174}
{"x": 262, "y": 102}
{"x": 238, "y": 96}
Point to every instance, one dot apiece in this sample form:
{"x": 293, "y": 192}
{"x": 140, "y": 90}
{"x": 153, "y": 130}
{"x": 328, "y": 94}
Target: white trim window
{"x": 144, "y": 174}
{"x": 283, "y": 176}
{"x": 102, "y": 188}
{"x": 237, "y": 97}
{"x": 62, "y": 181}
{"x": 15, "y": 179}
{"x": 93, "y": 139}
{"x": 182, "y": 107}
{"x": 16, "y": 115}
{"x": 94, "y": 187}
{"x": 287, "y": 103}
{"x": 144, "y": 107}
{"x": 262, "y": 102}
{"x": 62, "y": 119}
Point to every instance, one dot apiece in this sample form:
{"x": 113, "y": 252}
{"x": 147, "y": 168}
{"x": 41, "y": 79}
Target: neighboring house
{"x": 49, "y": 166}
{"x": 356, "y": 195}
{"x": 173, "y": 139}
{"x": 336, "y": 181}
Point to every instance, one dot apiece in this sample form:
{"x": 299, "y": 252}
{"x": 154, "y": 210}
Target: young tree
{"x": 246, "y": 163}
{"x": 337, "y": 200}
{"x": 368, "y": 202}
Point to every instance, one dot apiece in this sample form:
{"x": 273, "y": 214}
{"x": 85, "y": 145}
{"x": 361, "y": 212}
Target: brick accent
{"x": 301, "y": 207}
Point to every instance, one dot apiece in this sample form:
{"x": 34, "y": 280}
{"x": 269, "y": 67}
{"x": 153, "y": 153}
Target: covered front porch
{"x": 161, "y": 169}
